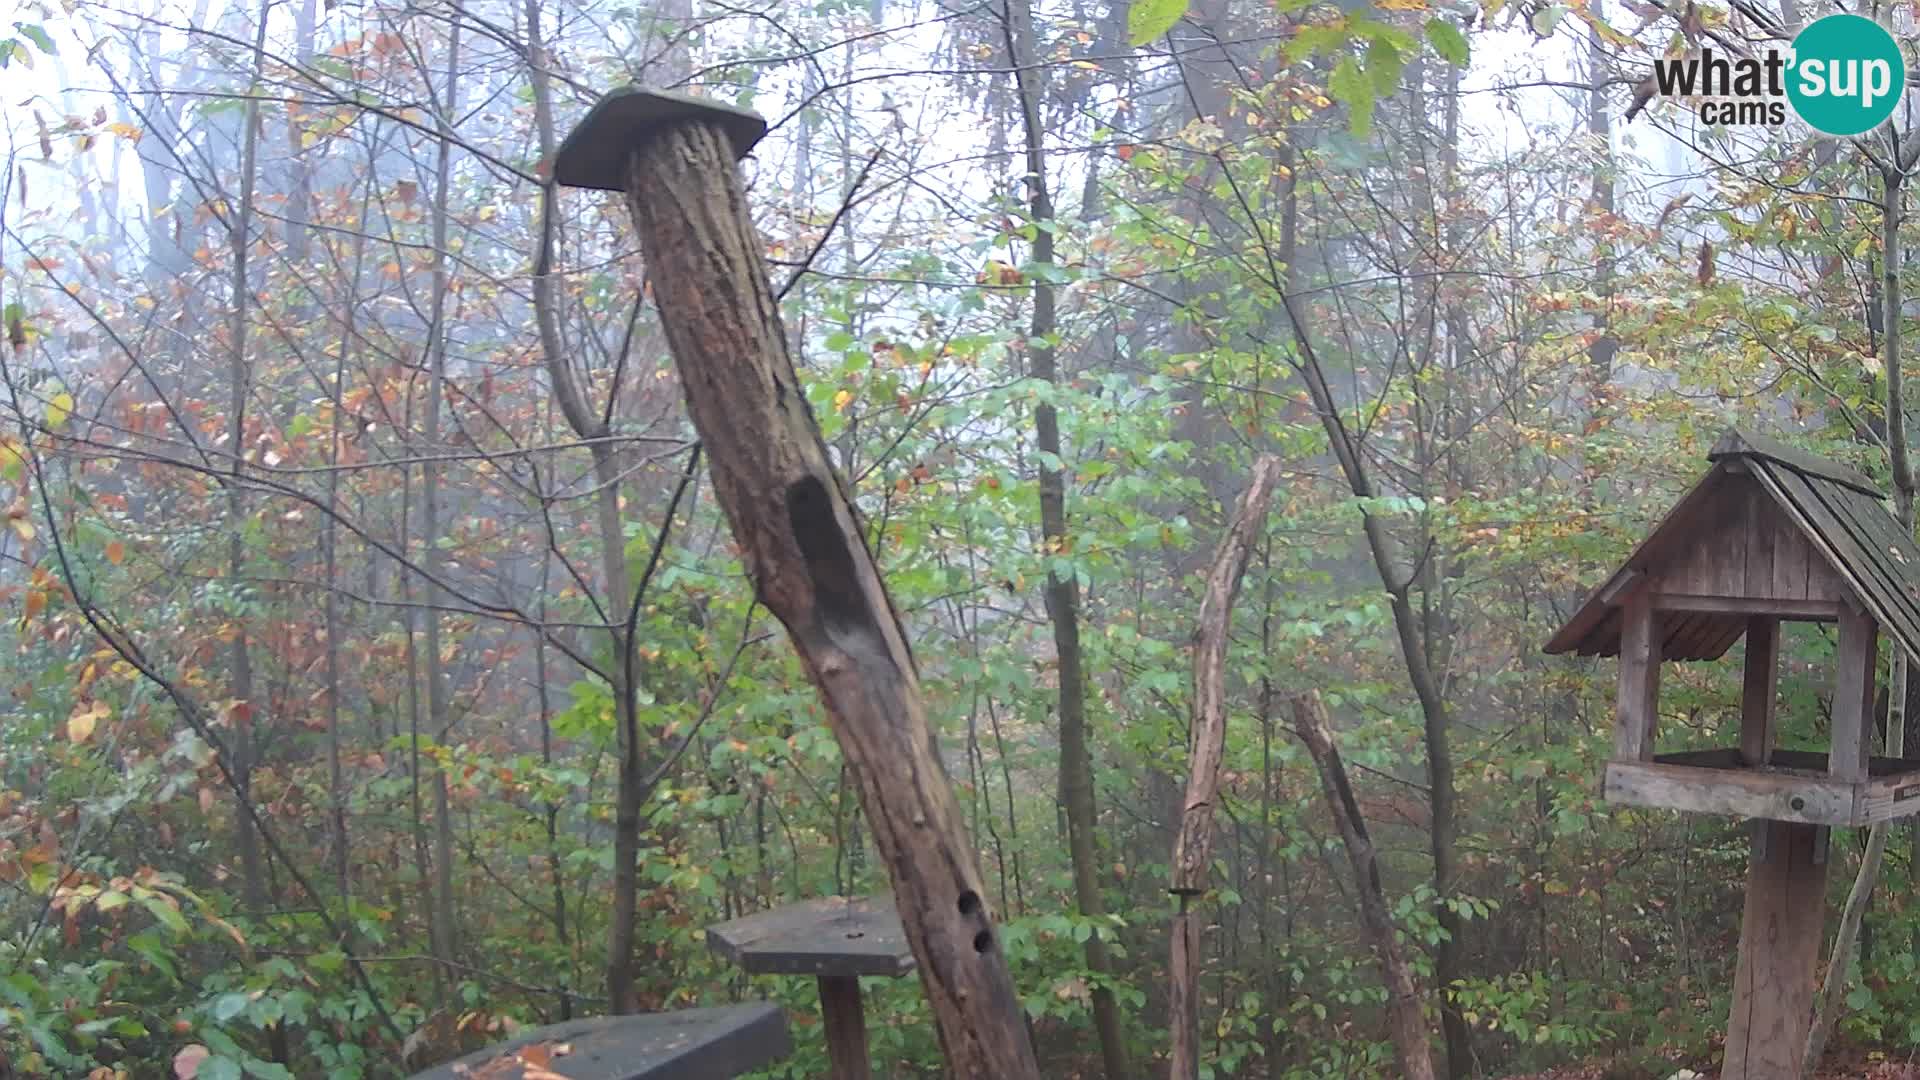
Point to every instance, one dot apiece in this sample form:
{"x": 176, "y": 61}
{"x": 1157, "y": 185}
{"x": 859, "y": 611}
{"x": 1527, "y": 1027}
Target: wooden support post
{"x": 1758, "y": 689}
{"x": 802, "y": 542}
{"x": 845, "y": 1020}
{"x": 1779, "y": 949}
{"x": 1637, "y": 707}
{"x": 1853, "y": 696}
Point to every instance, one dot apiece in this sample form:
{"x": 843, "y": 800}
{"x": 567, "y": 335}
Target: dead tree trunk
{"x": 1406, "y": 1024}
{"x": 1193, "y": 850}
{"x": 803, "y": 544}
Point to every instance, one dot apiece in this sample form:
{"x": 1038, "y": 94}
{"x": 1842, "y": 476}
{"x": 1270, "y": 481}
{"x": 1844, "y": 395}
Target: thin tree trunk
{"x": 1193, "y": 851}
{"x": 445, "y": 939}
{"x": 1833, "y": 992}
{"x": 1406, "y": 1024}
{"x": 253, "y": 871}
{"x": 1398, "y": 583}
{"x": 1062, "y": 590}
{"x": 621, "y": 603}
{"x": 330, "y": 540}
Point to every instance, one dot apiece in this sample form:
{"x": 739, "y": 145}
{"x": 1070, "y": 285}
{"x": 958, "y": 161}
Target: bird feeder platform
{"x": 836, "y": 940}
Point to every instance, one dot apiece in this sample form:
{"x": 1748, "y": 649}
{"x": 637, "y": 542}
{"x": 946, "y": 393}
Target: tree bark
{"x": 1062, "y": 590}
{"x": 803, "y": 545}
{"x": 1193, "y": 850}
{"x": 620, "y": 601}
{"x": 1405, "y": 1022}
{"x": 438, "y": 709}
{"x": 1833, "y": 992}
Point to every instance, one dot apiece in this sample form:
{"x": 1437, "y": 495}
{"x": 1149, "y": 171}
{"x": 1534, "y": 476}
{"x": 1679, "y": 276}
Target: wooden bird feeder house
{"x": 1769, "y": 535}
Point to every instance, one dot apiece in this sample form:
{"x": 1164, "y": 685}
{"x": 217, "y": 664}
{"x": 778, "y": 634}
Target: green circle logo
{"x": 1846, "y": 75}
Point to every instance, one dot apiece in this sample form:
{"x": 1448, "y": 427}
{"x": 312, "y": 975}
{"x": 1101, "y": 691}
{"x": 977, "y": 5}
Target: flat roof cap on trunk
{"x": 596, "y": 152}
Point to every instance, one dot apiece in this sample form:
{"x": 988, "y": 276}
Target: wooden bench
{"x": 690, "y": 1044}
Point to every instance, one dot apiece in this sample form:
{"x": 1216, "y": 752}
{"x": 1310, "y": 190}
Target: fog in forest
{"x": 1280, "y": 540}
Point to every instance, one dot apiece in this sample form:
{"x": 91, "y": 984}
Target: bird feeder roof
{"x": 1770, "y": 530}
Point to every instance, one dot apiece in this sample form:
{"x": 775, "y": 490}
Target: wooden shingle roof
{"x": 1769, "y": 529}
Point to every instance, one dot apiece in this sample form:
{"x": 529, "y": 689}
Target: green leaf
{"x": 168, "y": 915}
{"x": 38, "y": 36}
{"x": 1449, "y": 42}
{"x": 228, "y": 1006}
{"x": 219, "y": 1068}
{"x": 1384, "y": 64}
{"x": 1352, "y": 88}
{"x": 1545, "y": 19}
{"x": 1148, "y": 19}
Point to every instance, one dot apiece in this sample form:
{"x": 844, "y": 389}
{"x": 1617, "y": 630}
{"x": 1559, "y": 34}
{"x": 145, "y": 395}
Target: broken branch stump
{"x": 1193, "y": 850}
{"x": 1406, "y": 1019}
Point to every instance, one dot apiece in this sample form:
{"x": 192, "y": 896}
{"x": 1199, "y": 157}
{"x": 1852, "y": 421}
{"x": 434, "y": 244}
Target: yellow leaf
{"x": 125, "y": 131}
{"x": 59, "y": 407}
{"x": 841, "y": 400}
{"x": 22, "y": 527}
{"x": 81, "y": 724}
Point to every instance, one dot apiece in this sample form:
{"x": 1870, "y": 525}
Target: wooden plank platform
{"x": 690, "y": 1044}
{"x": 1793, "y": 786}
{"x": 829, "y": 936}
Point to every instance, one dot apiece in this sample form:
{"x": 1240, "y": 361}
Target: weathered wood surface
{"x": 1796, "y": 610}
{"x": 1740, "y": 792}
{"x": 1585, "y": 633}
{"x": 1779, "y": 948}
{"x": 1758, "y": 689}
{"x": 1740, "y": 543}
{"x": 692, "y": 1044}
{"x": 827, "y": 936}
{"x": 1737, "y": 443}
{"x": 1637, "y": 704}
{"x": 805, "y": 549}
{"x": 1767, "y": 523}
{"x": 1891, "y": 790}
{"x": 1852, "y": 712}
{"x": 1406, "y": 1021}
{"x": 844, "y": 1020}
{"x": 1193, "y": 848}
{"x": 1889, "y": 798}
{"x": 1863, "y": 543}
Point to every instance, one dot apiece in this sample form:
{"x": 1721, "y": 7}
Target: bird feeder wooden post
{"x": 801, "y": 539}
{"x": 834, "y": 939}
{"x": 1770, "y": 535}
